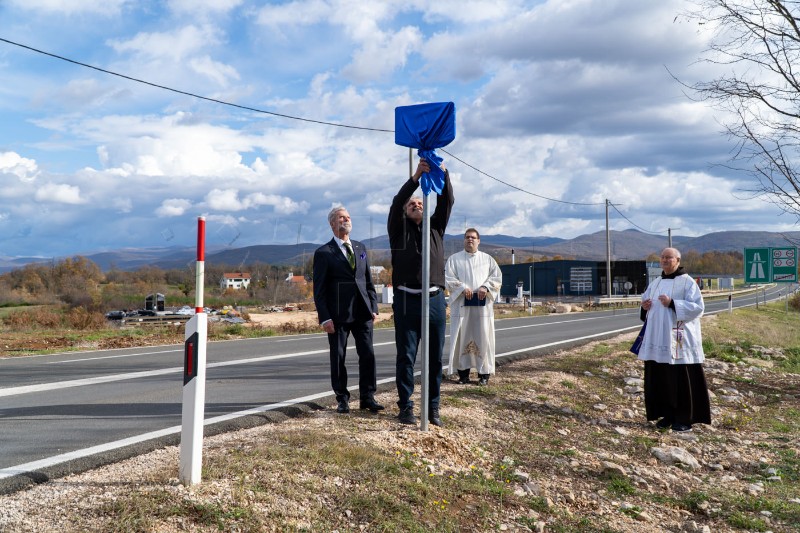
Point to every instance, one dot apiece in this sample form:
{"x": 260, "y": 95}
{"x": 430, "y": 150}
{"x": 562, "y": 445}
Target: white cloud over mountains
{"x": 572, "y": 101}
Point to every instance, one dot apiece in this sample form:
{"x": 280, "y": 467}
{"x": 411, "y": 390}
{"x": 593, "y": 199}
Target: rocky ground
{"x": 562, "y": 439}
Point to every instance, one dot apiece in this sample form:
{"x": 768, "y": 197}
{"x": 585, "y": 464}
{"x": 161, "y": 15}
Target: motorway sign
{"x": 757, "y": 265}
{"x": 770, "y": 265}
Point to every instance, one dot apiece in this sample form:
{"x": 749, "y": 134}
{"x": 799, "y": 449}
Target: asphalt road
{"x": 69, "y": 412}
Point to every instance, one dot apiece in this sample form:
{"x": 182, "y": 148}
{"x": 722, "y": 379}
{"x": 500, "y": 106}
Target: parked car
{"x": 115, "y": 315}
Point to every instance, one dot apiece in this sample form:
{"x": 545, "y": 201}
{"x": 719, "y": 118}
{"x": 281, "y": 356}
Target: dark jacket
{"x": 341, "y": 293}
{"x": 405, "y": 237}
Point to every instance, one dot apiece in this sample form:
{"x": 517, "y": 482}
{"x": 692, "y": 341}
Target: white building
{"x": 235, "y": 280}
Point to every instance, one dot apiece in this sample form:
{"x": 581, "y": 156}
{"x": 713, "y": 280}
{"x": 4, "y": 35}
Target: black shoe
{"x": 484, "y": 379}
{"x": 680, "y": 428}
{"x": 406, "y": 416}
{"x": 664, "y": 423}
{"x": 433, "y": 417}
{"x": 344, "y": 407}
{"x": 371, "y": 404}
{"x": 463, "y": 377}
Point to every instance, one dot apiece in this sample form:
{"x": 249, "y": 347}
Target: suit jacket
{"x": 341, "y": 293}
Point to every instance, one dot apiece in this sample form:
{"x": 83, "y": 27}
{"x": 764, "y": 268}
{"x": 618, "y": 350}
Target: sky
{"x": 560, "y": 106}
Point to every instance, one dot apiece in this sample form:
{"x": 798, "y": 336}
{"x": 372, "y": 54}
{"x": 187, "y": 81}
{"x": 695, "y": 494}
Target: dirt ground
{"x": 297, "y": 317}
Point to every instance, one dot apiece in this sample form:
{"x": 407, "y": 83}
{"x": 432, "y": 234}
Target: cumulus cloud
{"x": 228, "y": 200}
{"x": 173, "y": 207}
{"x": 59, "y": 193}
{"x": 16, "y": 165}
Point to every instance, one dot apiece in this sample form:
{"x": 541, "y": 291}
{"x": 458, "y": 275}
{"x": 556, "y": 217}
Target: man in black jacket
{"x": 346, "y": 303}
{"x": 405, "y": 238}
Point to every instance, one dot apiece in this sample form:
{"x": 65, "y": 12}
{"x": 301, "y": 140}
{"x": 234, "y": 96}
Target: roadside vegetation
{"x": 556, "y": 443}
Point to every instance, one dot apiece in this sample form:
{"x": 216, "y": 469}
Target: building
{"x": 297, "y": 280}
{"x": 235, "y": 280}
{"x": 573, "y": 278}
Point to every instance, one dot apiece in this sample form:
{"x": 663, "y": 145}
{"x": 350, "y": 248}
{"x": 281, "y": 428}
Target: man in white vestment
{"x": 474, "y": 280}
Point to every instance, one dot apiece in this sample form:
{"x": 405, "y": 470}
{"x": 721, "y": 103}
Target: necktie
{"x": 350, "y": 257}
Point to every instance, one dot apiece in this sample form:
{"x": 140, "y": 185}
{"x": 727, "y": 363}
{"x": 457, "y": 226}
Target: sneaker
{"x": 680, "y": 428}
{"x": 433, "y": 417}
{"x": 484, "y": 380}
{"x": 406, "y": 416}
{"x": 664, "y": 423}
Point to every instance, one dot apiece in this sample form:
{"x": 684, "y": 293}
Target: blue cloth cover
{"x": 426, "y": 127}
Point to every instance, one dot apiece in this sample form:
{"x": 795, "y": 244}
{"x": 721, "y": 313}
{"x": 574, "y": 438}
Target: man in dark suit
{"x": 346, "y": 303}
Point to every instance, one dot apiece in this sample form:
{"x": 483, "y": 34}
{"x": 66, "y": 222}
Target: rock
{"x": 621, "y": 430}
{"x": 673, "y": 455}
{"x": 611, "y": 470}
{"x": 600, "y": 406}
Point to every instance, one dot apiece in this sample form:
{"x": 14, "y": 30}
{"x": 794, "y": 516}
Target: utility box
{"x": 154, "y": 302}
{"x": 725, "y": 283}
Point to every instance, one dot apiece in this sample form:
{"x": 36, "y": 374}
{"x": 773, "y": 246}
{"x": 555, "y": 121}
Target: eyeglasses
{"x": 472, "y": 237}
{"x": 669, "y": 257}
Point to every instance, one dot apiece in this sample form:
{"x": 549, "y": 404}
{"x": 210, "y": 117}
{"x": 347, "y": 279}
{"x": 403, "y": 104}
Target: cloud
{"x": 228, "y": 200}
{"x": 173, "y": 46}
{"x": 59, "y": 193}
{"x": 173, "y": 207}
{"x": 16, "y": 165}
{"x": 99, "y": 7}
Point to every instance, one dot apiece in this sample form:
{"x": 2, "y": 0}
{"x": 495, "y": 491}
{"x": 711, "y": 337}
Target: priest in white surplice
{"x": 473, "y": 279}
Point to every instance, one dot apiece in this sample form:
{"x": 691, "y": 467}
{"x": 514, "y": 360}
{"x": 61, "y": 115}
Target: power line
{"x": 292, "y": 117}
{"x": 193, "y": 95}
{"x": 634, "y": 225}
{"x": 514, "y": 186}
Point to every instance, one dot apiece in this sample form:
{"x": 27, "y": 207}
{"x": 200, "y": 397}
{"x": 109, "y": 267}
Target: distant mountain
{"x": 630, "y": 244}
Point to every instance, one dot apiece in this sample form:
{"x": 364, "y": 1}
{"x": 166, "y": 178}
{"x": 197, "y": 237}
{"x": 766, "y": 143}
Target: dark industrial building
{"x": 574, "y": 278}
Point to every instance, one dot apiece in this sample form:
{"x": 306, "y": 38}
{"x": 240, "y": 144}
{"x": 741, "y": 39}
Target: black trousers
{"x": 367, "y": 373}
{"x": 678, "y": 393}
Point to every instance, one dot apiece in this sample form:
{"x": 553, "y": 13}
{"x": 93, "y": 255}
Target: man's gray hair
{"x": 415, "y": 197}
{"x": 333, "y": 212}
{"x": 673, "y": 250}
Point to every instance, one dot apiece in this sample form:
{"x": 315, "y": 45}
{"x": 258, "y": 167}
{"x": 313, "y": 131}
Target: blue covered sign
{"x": 426, "y": 127}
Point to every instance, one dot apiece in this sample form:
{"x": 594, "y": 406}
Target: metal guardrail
{"x": 158, "y": 320}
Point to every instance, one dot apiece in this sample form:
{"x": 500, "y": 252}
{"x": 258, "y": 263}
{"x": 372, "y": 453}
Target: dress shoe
{"x": 343, "y": 407}
{"x": 680, "y": 428}
{"x": 371, "y": 404}
{"x": 406, "y": 416}
{"x": 484, "y": 379}
{"x": 664, "y": 423}
{"x": 433, "y": 417}
{"x": 463, "y": 377}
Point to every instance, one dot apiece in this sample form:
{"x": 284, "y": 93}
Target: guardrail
{"x": 158, "y": 320}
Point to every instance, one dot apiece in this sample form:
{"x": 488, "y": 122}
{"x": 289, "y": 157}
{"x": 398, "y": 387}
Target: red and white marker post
{"x": 194, "y": 374}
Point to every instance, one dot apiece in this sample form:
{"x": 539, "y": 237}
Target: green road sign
{"x": 770, "y": 265}
{"x": 784, "y": 265}
{"x": 757, "y": 265}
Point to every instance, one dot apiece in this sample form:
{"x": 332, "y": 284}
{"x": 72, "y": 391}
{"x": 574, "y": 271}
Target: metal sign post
{"x": 194, "y": 375}
{"x": 426, "y": 313}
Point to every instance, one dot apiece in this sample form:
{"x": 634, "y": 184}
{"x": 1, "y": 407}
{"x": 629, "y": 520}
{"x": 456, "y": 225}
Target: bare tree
{"x": 757, "y": 42}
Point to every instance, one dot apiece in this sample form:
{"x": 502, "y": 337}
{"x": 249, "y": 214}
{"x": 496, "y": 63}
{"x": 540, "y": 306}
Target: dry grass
{"x": 525, "y": 452}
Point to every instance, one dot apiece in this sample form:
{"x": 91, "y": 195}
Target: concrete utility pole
{"x": 669, "y": 237}
{"x": 608, "y": 253}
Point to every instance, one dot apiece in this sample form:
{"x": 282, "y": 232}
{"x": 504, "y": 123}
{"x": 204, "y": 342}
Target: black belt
{"x": 431, "y": 294}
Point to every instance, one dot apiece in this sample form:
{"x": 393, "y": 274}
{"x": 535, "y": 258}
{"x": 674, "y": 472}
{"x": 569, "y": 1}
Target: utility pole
{"x": 669, "y": 237}
{"x": 608, "y": 254}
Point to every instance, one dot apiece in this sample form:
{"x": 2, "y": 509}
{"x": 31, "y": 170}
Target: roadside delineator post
{"x": 194, "y": 375}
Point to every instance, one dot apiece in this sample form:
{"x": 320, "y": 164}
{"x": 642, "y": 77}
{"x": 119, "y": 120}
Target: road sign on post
{"x": 770, "y": 265}
{"x": 784, "y": 265}
{"x": 757, "y": 265}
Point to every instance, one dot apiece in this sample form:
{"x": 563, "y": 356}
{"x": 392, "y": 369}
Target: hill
{"x": 625, "y": 245}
